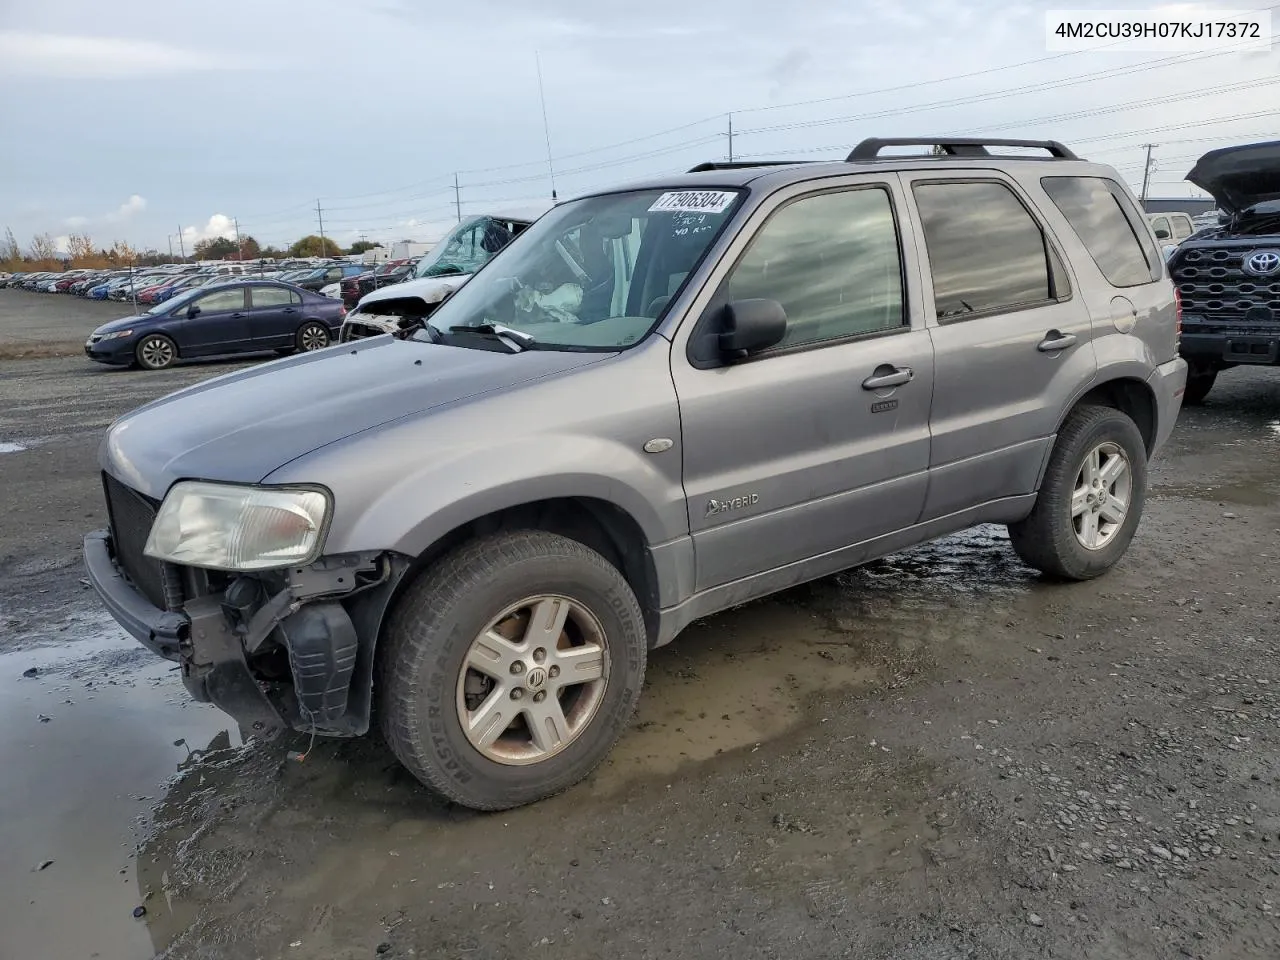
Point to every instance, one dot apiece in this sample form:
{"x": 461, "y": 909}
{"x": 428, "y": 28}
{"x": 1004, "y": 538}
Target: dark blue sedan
{"x": 241, "y": 316}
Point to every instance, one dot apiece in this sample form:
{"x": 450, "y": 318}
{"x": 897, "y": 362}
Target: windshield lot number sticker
{"x": 693, "y": 201}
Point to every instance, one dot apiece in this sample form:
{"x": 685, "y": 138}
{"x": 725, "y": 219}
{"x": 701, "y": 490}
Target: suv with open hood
{"x": 659, "y": 401}
{"x": 1228, "y": 276}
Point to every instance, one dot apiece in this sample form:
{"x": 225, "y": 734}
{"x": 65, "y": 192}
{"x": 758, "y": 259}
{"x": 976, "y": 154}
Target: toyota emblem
{"x": 1263, "y": 263}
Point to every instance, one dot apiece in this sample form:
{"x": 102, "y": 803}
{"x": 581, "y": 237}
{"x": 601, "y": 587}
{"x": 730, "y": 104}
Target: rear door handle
{"x": 886, "y": 376}
{"x": 1054, "y": 341}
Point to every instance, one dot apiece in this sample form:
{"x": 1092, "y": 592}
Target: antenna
{"x": 546, "y": 129}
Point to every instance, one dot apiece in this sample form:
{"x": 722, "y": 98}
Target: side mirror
{"x": 193, "y": 311}
{"x": 1162, "y": 234}
{"x": 749, "y": 326}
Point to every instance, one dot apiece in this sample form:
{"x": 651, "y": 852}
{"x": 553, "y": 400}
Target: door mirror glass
{"x": 1162, "y": 233}
{"x": 193, "y": 310}
{"x": 748, "y": 326}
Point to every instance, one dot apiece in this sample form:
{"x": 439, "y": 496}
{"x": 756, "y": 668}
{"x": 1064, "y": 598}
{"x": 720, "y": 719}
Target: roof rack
{"x": 870, "y": 148}
{"x": 739, "y": 164}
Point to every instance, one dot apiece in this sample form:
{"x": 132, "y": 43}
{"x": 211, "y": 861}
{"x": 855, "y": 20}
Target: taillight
{"x": 342, "y": 312}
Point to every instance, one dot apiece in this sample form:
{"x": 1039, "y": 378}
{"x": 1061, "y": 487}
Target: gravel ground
{"x": 935, "y": 756}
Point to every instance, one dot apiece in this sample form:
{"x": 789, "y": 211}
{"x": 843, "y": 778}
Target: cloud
{"x": 66, "y": 57}
{"x": 135, "y": 204}
{"x": 219, "y": 225}
{"x": 123, "y": 213}
{"x": 62, "y": 243}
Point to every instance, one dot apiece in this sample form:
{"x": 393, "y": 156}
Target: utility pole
{"x": 324, "y": 244}
{"x": 731, "y": 138}
{"x": 170, "y": 239}
{"x": 1146, "y": 171}
{"x": 181, "y": 243}
{"x": 239, "y": 249}
{"x": 457, "y": 197}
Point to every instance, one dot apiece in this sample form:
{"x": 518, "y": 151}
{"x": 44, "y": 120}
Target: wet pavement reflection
{"x": 88, "y": 732}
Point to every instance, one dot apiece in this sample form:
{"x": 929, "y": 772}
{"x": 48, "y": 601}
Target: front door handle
{"x": 886, "y": 376}
{"x": 1055, "y": 340}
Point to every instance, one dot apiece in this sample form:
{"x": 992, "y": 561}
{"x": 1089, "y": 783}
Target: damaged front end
{"x": 400, "y": 318}
{"x": 273, "y": 648}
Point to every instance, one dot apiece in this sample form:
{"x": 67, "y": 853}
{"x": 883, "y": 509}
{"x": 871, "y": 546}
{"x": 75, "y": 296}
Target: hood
{"x": 1239, "y": 177}
{"x": 427, "y": 289}
{"x": 124, "y": 323}
{"x": 245, "y": 425}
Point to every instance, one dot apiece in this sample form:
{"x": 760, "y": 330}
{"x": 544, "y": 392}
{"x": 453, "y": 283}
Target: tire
{"x": 155, "y": 351}
{"x": 312, "y": 335}
{"x": 1051, "y": 537}
{"x": 424, "y": 686}
{"x": 1198, "y": 387}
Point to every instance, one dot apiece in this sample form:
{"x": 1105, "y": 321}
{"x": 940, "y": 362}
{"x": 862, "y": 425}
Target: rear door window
{"x": 1106, "y": 223}
{"x": 1161, "y": 225}
{"x": 1181, "y": 227}
{"x": 270, "y": 297}
{"x": 987, "y": 253}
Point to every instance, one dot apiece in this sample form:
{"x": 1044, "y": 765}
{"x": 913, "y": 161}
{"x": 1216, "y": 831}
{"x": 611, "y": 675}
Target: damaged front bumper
{"x": 291, "y": 649}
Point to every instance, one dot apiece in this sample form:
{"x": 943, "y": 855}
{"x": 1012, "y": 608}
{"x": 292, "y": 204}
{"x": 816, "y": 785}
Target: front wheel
{"x": 312, "y": 336}
{"x": 509, "y": 669}
{"x": 1091, "y": 498}
{"x": 1199, "y": 383}
{"x": 155, "y": 351}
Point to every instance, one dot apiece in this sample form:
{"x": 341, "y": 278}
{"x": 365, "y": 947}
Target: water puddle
{"x": 6, "y": 447}
{"x": 87, "y": 739}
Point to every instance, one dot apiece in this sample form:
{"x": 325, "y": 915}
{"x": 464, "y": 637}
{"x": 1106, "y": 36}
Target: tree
{"x": 273, "y": 253}
{"x": 80, "y": 249}
{"x": 249, "y": 249}
{"x": 313, "y": 246}
{"x": 42, "y": 247}
{"x": 121, "y": 253}
{"x": 218, "y": 248}
{"x": 10, "y": 252}
{"x": 360, "y": 246}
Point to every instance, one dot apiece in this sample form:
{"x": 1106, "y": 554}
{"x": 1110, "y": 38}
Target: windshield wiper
{"x": 515, "y": 339}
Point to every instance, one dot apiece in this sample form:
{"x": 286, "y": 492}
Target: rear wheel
{"x": 1091, "y": 499}
{"x": 155, "y": 351}
{"x": 509, "y": 669}
{"x": 313, "y": 335}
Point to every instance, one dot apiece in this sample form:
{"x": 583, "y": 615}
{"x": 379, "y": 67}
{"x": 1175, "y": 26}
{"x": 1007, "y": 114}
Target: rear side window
{"x": 986, "y": 252}
{"x": 1181, "y": 228}
{"x": 1161, "y": 224}
{"x": 1105, "y": 222}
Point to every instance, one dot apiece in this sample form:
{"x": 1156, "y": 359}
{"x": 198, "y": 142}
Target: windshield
{"x": 465, "y": 250}
{"x": 596, "y": 273}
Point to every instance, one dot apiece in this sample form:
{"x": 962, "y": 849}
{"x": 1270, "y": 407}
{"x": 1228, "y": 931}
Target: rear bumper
{"x": 1168, "y": 382}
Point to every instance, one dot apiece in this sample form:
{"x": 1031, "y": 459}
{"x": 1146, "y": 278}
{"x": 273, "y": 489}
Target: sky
{"x": 137, "y": 121}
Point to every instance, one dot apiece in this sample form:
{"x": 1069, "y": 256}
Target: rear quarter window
{"x": 1104, "y": 219}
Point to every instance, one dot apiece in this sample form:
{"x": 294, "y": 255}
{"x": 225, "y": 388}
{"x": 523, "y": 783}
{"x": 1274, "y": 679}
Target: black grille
{"x": 1215, "y": 286}
{"x": 131, "y": 517}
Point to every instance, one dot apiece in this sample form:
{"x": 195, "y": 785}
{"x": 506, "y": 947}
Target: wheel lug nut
{"x": 517, "y": 693}
{"x": 539, "y": 696}
{"x": 553, "y": 672}
{"x": 539, "y": 655}
{"x": 518, "y": 667}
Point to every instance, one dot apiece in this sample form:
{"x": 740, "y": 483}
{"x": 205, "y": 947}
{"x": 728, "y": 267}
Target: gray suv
{"x": 657, "y": 402}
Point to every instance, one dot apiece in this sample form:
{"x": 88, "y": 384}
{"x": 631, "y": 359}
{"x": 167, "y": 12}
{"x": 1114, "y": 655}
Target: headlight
{"x": 116, "y": 335}
{"x": 225, "y": 527}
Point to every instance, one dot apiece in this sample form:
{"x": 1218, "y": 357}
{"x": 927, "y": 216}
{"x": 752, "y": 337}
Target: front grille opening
{"x": 131, "y": 515}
